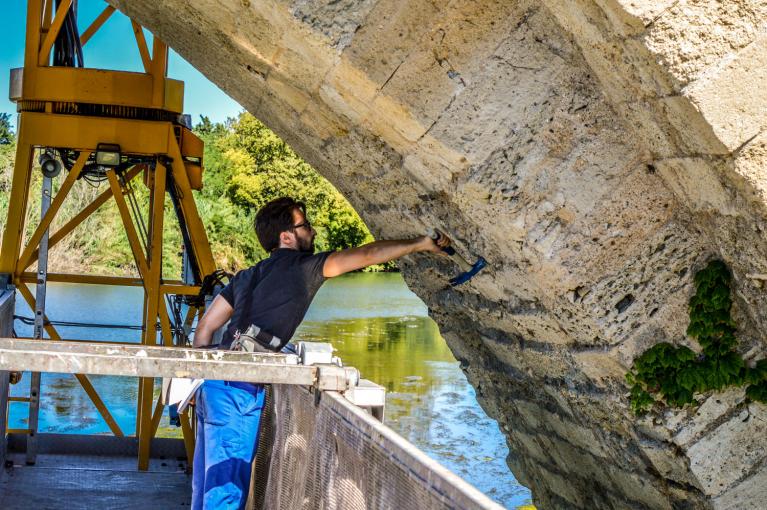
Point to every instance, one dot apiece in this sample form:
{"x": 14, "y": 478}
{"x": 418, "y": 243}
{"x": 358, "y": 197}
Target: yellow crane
{"x": 114, "y": 127}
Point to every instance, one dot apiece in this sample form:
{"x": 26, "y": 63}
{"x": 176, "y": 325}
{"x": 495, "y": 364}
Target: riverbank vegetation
{"x": 246, "y": 165}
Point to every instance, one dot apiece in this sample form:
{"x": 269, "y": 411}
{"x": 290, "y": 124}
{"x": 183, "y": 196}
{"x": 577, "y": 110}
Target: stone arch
{"x": 596, "y": 152}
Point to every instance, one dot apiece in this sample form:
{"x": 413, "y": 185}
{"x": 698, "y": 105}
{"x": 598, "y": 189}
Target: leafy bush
{"x": 675, "y": 374}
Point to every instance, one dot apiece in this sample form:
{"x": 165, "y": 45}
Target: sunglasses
{"x": 306, "y": 224}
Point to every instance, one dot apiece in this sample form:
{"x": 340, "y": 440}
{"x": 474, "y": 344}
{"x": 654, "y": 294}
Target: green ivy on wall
{"x": 673, "y": 374}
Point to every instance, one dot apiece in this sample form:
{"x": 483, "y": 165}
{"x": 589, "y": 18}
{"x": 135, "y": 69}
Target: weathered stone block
{"x": 668, "y": 463}
{"x": 732, "y": 97}
{"x": 699, "y": 419}
{"x": 640, "y": 489}
{"x": 699, "y": 182}
{"x": 646, "y": 10}
{"x": 564, "y": 488}
{"x": 731, "y": 451}
{"x": 625, "y": 22}
{"x": 749, "y": 164}
{"x": 693, "y": 35}
{"x": 692, "y": 131}
{"x": 602, "y": 370}
{"x": 336, "y": 19}
{"x": 531, "y": 445}
{"x": 385, "y": 39}
{"x": 750, "y": 494}
{"x": 652, "y": 128}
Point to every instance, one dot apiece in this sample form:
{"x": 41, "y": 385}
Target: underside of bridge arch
{"x": 597, "y": 153}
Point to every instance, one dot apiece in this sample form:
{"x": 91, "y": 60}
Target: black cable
{"x": 206, "y": 287}
{"x": 67, "y": 49}
{"x": 175, "y": 199}
{"x": 136, "y": 210}
{"x": 78, "y": 44}
{"x": 30, "y": 321}
{"x": 177, "y": 323}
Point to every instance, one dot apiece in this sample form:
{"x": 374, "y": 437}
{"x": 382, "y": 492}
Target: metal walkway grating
{"x": 70, "y": 485}
{"x": 101, "y": 475}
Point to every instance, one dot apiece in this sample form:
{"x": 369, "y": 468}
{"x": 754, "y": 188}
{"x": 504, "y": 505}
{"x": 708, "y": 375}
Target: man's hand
{"x": 436, "y": 246}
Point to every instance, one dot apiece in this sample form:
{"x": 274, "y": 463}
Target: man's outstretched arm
{"x": 378, "y": 252}
{"x": 215, "y": 316}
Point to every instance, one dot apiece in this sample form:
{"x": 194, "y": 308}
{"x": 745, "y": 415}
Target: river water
{"x": 375, "y": 323}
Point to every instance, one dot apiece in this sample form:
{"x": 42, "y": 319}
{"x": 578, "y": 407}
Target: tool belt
{"x": 255, "y": 339}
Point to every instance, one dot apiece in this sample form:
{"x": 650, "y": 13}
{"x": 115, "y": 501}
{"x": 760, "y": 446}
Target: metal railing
{"x": 323, "y": 451}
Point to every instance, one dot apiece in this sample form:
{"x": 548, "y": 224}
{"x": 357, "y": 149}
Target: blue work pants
{"x": 228, "y": 418}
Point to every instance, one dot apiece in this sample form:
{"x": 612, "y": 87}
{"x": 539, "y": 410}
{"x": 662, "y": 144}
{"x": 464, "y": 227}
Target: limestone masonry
{"x": 597, "y": 153}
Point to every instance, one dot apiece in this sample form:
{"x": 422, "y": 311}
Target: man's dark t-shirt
{"x": 275, "y": 293}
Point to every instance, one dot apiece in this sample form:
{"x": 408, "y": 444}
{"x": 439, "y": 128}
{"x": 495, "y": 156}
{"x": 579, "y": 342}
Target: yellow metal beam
{"x": 81, "y": 216}
{"x": 87, "y": 279}
{"x": 157, "y": 416}
{"x": 83, "y": 379}
{"x": 79, "y": 133}
{"x": 199, "y": 237}
{"x": 167, "y": 333}
{"x": 177, "y": 287}
{"x": 188, "y": 433}
{"x": 170, "y": 287}
{"x": 95, "y": 86}
{"x": 138, "y": 32}
{"x": 144, "y": 426}
{"x": 17, "y": 210}
{"x": 47, "y": 15}
{"x": 32, "y": 45}
{"x": 58, "y": 200}
{"x": 130, "y": 229}
{"x": 183, "y": 290}
{"x": 159, "y": 70}
{"x": 190, "y": 313}
{"x": 53, "y": 32}
{"x": 100, "y": 406}
{"x": 19, "y": 431}
{"x": 97, "y": 23}
{"x": 154, "y": 302}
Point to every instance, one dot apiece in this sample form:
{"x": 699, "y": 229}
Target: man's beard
{"x": 306, "y": 245}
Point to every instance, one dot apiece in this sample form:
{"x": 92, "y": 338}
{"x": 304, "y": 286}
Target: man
{"x": 273, "y": 295}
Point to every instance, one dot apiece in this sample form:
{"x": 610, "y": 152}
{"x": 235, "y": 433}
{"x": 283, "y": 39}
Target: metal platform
{"x": 322, "y": 451}
{"x": 76, "y": 472}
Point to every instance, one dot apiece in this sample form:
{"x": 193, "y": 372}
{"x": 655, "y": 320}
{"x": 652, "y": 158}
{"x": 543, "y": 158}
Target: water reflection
{"x": 375, "y": 323}
{"x": 429, "y": 401}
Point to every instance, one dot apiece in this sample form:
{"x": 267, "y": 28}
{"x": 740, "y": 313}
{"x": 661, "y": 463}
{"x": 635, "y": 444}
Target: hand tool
{"x": 468, "y": 269}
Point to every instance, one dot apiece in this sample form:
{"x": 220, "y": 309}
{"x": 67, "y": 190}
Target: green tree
{"x": 246, "y": 166}
{"x": 7, "y": 136}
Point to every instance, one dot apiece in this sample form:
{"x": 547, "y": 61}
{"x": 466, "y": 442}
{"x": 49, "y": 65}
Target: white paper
{"x": 180, "y": 390}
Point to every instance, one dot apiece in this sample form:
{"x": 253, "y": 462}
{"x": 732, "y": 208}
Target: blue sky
{"x": 104, "y": 51}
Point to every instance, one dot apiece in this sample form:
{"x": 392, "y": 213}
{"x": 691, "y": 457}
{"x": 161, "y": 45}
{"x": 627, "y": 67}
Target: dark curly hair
{"x": 273, "y": 219}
